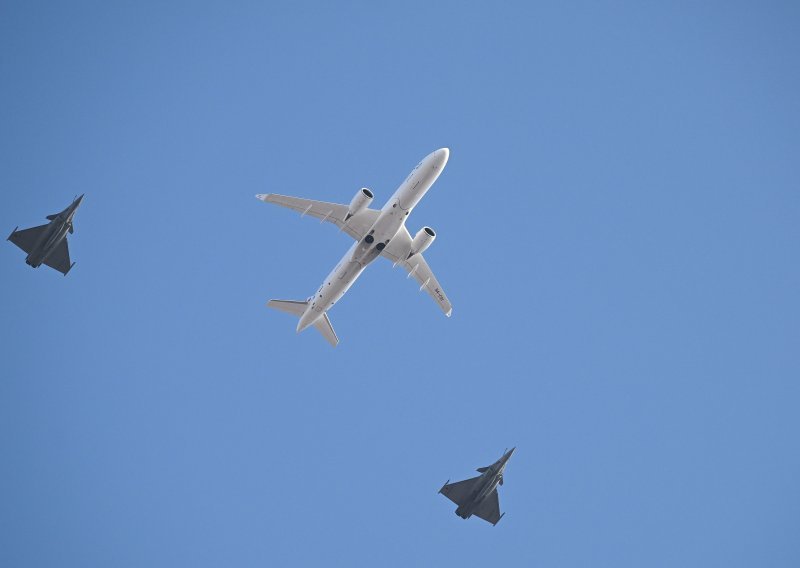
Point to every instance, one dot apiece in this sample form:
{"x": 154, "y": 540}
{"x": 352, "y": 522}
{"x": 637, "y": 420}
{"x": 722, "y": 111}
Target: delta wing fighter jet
{"x": 377, "y": 233}
{"x": 47, "y": 244}
{"x": 478, "y": 495}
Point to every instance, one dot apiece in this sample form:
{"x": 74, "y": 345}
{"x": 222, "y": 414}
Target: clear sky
{"x": 617, "y": 230}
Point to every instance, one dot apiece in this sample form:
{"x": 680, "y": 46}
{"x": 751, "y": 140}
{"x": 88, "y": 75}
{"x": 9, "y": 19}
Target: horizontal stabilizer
{"x": 324, "y": 326}
{"x": 289, "y": 306}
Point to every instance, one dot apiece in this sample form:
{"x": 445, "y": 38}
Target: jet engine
{"x": 422, "y": 240}
{"x": 360, "y": 202}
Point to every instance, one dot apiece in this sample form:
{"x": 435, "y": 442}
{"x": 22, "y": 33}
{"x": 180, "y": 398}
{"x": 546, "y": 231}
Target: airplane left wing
{"x": 397, "y": 250}
{"x": 336, "y": 213}
{"x": 459, "y": 492}
{"x": 26, "y": 238}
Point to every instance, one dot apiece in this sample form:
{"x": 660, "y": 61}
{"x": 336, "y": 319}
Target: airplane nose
{"x": 443, "y": 154}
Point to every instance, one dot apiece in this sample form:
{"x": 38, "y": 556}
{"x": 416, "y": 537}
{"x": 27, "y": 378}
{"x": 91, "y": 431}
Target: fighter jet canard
{"x": 377, "y": 233}
{"x": 47, "y": 244}
{"x": 478, "y": 495}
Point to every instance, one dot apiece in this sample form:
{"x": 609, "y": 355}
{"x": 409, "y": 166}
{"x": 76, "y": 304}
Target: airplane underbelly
{"x": 337, "y": 283}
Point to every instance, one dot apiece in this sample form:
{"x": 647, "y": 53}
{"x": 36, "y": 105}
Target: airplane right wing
{"x": 59, "y": 258}
{"x": 416, "y": 266}
{"x": 489, "y": 509}
{"x": 336, "y": 213}
{"x": 26, "y": 238}
{"x": 459, "y": 492}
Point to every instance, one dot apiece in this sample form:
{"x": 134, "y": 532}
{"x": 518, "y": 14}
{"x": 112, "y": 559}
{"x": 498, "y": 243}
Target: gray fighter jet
{"x": 47, "y": 244}
{"x": 478, "y": 495}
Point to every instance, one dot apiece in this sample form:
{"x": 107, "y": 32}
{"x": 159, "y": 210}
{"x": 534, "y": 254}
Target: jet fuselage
{"x": 490, "y": 479}
{"x": 392, "y": 217}
{"x": 56, "y": 232}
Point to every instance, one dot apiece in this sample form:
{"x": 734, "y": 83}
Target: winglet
{"x": 262, "y": 196}
{"x": 70, "y": 268}
{"x": 445, "y": 485}
{"x": 498, "y": 520}
{"x": 12, "y": 233}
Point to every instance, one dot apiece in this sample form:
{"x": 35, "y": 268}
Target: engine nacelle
{"x": 422, "y": 240}
{"x": 360, "y": 202}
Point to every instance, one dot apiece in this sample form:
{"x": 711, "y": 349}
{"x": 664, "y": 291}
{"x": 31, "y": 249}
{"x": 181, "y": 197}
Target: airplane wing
{"x": 59, "y": 258}
{"x": 26, "y": 239}
{"x": 489, "y": 509}
{"x": 397, "y": 250}
{"x": 356, "y": 226}
{"x": 459, "y": 492}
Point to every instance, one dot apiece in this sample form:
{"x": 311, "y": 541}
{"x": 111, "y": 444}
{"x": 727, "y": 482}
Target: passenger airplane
{"x": 376, "y": 233}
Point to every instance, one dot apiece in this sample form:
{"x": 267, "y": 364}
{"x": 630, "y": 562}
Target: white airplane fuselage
{"x": 392, "y": 217}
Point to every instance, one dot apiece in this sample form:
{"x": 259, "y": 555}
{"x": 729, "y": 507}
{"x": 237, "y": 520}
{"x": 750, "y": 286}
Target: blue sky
{"x": 617, "y": 230}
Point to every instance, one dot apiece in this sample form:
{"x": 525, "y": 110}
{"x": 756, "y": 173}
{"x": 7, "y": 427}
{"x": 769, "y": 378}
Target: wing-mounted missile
{"x": 422, "y": 240}
{"x": 52, "y": 217}
{"x": 360, "y": 202}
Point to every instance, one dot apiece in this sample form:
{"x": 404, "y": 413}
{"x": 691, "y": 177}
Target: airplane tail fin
{"x": 322, "y": 325}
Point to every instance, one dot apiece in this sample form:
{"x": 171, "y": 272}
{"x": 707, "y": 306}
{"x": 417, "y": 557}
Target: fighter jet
{"x": 377, "y": 233}
{"x": 47, "y": 244}
{"x": 478, "y": 495}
